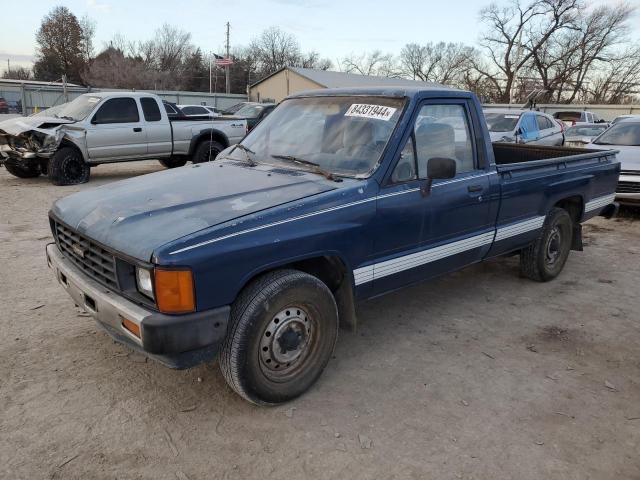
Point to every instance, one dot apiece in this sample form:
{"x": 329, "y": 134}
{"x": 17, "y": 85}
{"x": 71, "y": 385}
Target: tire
{"x": 545, "y": 258}
{"x": 67, "y": 167}
{"x": 173, "y": 162}
{"x": 206, "y": 151}
{"x": 23, "y": 170}
{"x": 281, "y": 335}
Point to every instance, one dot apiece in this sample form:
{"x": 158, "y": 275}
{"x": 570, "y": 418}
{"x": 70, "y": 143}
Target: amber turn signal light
{"x": 174, "y": 291}
{"x": 132, "y": 327}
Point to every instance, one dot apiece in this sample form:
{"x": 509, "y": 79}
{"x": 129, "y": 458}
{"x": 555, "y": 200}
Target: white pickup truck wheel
{"x": 281, "y": 336}
{"x": 67, "y": 167}
{"x": 28, "y": 170}
{"x": 206, "y": 151}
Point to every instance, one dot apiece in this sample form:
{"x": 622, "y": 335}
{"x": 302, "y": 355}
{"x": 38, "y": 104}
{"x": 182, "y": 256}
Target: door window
{"x": 150, "y": 109}
{"x": 117, "y": 110}
{"x": 443, "y": 131}
{"x": 195, "y": 111}
{"x": 543, "y": 122}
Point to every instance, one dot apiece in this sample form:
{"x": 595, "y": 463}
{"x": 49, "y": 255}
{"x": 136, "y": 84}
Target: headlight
{"x": 144, "y": 281}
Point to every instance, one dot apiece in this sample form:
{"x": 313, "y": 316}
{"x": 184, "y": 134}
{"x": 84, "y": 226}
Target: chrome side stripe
{"x": 519, "y": 228}
{"x": 406, "y": 262}
{"x": 599, "y": 202}
{"x": 389, "y": 267}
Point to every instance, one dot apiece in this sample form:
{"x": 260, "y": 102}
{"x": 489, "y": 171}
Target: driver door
{"x": 116, "y": 132}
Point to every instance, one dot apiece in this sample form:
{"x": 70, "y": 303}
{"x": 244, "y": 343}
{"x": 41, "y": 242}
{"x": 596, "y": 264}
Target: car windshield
{"x": 590, "y": 131}
{"x": 501, "y": 122}
{"x": 76, "y": 109}
{"x": 249, "y": 111}
{"x": 626, "y": 134}
{"x": 340, "y": 135}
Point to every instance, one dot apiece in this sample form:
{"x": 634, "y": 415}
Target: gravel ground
{"x": 480, "y": 374}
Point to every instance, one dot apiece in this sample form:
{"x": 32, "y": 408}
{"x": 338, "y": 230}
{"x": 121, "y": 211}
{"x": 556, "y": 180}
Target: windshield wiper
{"x": 67, "y": 117}
{"x": 314, "y": 166}
{"x": 247, "y": 151}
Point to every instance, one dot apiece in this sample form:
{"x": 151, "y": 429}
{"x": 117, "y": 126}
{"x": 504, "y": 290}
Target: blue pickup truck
{"x": 336, "y": 197}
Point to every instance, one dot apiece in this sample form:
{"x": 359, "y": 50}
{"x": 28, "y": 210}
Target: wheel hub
{"x": 553, "y": 246}
{"x": 286, "y": 339}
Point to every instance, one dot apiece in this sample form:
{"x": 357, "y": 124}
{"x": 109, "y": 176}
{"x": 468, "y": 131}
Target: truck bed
{"x": 511, "y": 156}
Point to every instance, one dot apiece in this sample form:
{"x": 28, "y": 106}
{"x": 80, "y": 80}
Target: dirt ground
{"x": 480, "y": 374}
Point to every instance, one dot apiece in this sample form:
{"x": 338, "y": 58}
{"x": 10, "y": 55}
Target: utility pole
{"x": 210, "y": 83}
{"x": 227, "y": 67}
{"x": 64, "y": 88}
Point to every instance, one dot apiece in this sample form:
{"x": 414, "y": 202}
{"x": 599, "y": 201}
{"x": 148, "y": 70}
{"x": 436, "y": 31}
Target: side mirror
{"x": 519, "y": 131}
{"x": 94, "y": 121}
{"x": 440, "y": 168}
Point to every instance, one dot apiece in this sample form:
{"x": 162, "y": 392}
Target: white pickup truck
{"x": 67, "y": 140}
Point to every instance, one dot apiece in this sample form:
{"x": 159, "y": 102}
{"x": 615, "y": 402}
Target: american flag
{"x": 222, "y": 61}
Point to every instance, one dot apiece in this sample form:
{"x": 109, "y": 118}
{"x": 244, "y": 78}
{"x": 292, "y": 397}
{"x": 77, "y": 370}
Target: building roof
{"x": 329, "y": 79}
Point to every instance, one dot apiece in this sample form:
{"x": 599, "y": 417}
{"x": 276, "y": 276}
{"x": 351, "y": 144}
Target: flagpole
{"x": 210, "y": 83}
{"x": 228, "y": 83}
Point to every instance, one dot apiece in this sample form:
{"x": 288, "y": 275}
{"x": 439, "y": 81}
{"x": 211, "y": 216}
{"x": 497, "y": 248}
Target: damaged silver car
{"x": 65, "y": 141}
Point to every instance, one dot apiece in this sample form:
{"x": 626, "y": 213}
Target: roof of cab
{"x": 385, "y": 91}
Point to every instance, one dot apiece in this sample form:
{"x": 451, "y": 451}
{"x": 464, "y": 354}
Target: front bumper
{"x": 628, "y": 191}
{"x": 177, "y": 341}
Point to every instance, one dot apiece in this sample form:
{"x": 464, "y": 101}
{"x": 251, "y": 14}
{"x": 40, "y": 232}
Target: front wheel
{"x": 282, "y": 332}
{"x": 545, "y": 258}
{"x": 67, "y": 167}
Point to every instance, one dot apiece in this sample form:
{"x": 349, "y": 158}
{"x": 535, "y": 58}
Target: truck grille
{"x": 628, "y": 187}
{"x": 92, "y": 259}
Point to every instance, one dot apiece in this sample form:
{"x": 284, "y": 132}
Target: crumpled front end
{"x": 32, "y": 143}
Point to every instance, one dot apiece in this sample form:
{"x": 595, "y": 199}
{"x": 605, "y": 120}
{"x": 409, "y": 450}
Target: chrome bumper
{"x": 105, "y": 306}
{"x": 177, "y": 341}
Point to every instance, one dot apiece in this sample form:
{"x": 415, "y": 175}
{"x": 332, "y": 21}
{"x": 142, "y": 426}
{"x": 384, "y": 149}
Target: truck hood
{"x": 18, "y": 125}
{"x": 138, "y": 215}
{"x": 628, "y": 156}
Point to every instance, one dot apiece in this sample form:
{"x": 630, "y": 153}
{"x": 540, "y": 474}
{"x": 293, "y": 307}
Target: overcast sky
{"x": 334, "y": 28}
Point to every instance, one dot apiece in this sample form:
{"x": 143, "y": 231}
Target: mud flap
{"x": 346, "y": 305}
{"x": 576, "y": 241}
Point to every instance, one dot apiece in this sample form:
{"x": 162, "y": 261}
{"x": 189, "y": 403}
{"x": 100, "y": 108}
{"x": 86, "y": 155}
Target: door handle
{"x": 137, "y": 129}
{"x": 474, "y": 188}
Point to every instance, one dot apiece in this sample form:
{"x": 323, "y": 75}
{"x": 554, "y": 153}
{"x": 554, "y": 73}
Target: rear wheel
{"x": 545, "y": 258}
{"x": 23, "y": 170}
{"x": 282, "y": 332}
{"x": 173, "y": 162}
{"x": 67, "y": 167}
{"x": 206, "y": 151}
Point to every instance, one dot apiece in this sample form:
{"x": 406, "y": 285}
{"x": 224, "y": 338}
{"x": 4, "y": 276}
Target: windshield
{"x": 568, "y": 116}
{"x": 590, "y": 131}
{"x": 76, "y": 109}
{"x": 250, "y": 111}
{"x": 501, "y": 122}
{"x": 341, "y": 135}
{"x": 627, "y": 134}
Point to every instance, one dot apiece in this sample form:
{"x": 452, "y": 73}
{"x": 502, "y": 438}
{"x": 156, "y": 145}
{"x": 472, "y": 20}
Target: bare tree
{"x": 511, "y": 28}
{"x": 441, "y": 62}
{"x": 17, "y": 73}
{"x": 619, "y": 80}
{"x": 88, "y": 31}
{"x": 273, "y": 50}
{"x": 372, "y": 63}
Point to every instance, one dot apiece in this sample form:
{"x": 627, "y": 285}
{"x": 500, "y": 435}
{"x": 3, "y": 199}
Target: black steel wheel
{"x": 545, "y": 258}
{"x": 23, "y": 169}
{"x": 67, "y": 167}
{"x": 206, "y": 151}
{"x": 282, "y": 332}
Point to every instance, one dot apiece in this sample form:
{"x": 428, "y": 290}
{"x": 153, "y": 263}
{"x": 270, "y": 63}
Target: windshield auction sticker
{"x": 365, "y": 110}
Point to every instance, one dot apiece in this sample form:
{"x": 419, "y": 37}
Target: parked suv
{"x": 570, "y": 118}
